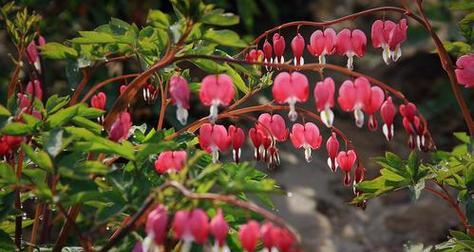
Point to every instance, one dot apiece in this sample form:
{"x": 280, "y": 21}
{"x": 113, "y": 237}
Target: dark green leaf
{"x": 224, "y": 37}
{"x": 218, "y": 17}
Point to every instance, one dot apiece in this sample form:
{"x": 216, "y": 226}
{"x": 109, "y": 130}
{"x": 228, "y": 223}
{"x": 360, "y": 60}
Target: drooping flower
{"x": 267, "y": 237}
{"x": 388, "y": 112}
{"x": 306, "y": 137}
{"x": 216, "y": 90}
{"x": 219, "y": 229}
{"x": 353, "y": 96}
{"x": 267, "y": 52}
{"x": 191, "y": 226}
{"x": 359, "y": 174}
{"x": 273, "y": 124}
{"x": 413, "y": 125}
{"x": 254, "y": 56}
{"x": 279, "y": 48}
{"x": 351, "y": 43}
{"x": 156, "y": 228}
{"x": 33, "y": 54}
{"x": 388, "y": 36}
{"x": 324, "y": 97}
{"x": 170, "y": 161}
{"x": 99, "y": 101}
{"x": 9, "y": 144}
{"x": 150, "y": 93}
{"x": 237, "y": 138}
{"x": 297, "y": 46}
{"x": 25, "y": 106}
{"x": 213, "y": 138}
{"x": 346, "y": 160}
{"x": 34, "y": 89}
{"x": 261, "y": 141}
{"x": 249, "y": 235}
{"x": 332, "y": 147}
{"x": 290, "y": 88}
{"x": 322, "y": 44}
{"x": 180, "y": 93}
{"x": 284, "y": 240}
{"x": 120, "y": 129}
{"x": 372, "y": 105}
{"x": 465, "y": 70}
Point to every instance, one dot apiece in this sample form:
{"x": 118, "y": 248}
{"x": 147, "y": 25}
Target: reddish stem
{"x": 100, "y": 85}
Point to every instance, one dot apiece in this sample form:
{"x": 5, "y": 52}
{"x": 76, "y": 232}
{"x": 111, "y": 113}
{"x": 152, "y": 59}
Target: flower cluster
{"x": 387, "y": 35}
{"x": 9, "y": 144}
{"x": 194, "y": 226}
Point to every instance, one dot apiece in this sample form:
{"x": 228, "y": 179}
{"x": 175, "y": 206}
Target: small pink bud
{"x": 122, "y": 89}
{"x": 279, "y": 48}
{"x": 465, "y": 70}
{"x": 324, "y": 97}
{"x": 249, "y": 235}
{"x": 254, "y": 56}
{"x": 120, "y": 129}
{"x": 99, "y": 101}
{"x": 346, "y": 161}
{"x": 332, "y": 147}
{"x": 237, "y": 138}
{"x": 34, "y": 87}
{"x": 297, "y": 46}
{"x": 219, "y": 228}
{"x": 267, "y": 52}
{"x": 157, "y": 224}
{"x": 170, "y": 161}
{"x": 388, "y": 112}
{"x": 180, "y": 93}
{"x": 408, "y": 110}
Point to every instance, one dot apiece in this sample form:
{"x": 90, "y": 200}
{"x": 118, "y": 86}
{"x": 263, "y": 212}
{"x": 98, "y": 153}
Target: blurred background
{"x": 316, "y": 200}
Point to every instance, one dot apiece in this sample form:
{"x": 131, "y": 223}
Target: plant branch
{"x": 100, "y": 85}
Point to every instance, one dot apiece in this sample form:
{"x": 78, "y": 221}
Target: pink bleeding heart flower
{"x": 261, "y": 141}
{"x": 120, "y": 129}
{"x": 150, "y": 93}
{"x": 411, "y": 127}
{"x": 191, "y": 226}
{"x": 170, "y": 161}
{"x": 9, "y": 144}
{"x": 279, "y": 48}
{"x": 24, "y": 103}
{"x": 322, "y": 44}
{"x": 180, "y": 93}
{"x": 237, "y": 138}
{"x": 408, "y": 111}
{"x": 34, "y": 89}
{"x": 99, "y": 101}
{"x": 249, "y": 235}
{"x": 267, "y": 53}
{"x": 219, "y": 229}
{"x": 388, "y": 112}
{"x": 351, "y": 43}
{"x": 213, "y": 138}
{"x": 216, "y": 90}
{"x": 33, "y": 54}
{"x": 346, "y": 160}
{"x": 273, "y": 124}
{"x": 267, "y": 237}
{"x": 465, "y": 70}
{"x": 359, "y": 174}
{"x": 156, "y": 228}
{"x": 372, "y": 105}
{"x": 332, "y": 147}
{"x": 290, "y": 88}
{"x": 306, "y": 136}
{"x": 122, "y": 89}
{"x": 324, "y": 97}
{"x": 254, "y": 56}
{"x": 353, "y": 96}
{"x": 297, "y": 46}
{"x": 284, "y": 240}
{"x": 388, "y": 36}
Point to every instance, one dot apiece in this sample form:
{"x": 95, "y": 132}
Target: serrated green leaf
{"x": 55, "y": 50}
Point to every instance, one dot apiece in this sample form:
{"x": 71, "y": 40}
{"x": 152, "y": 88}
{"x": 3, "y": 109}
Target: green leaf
{"x": 237, "y": 80}
{"x": 4, "y": 111}
{"x": 457, "y": 48}
{"x": 88, "y": 124}
{"x": 61, "y": 117}
{"x": 224, "y": 37}
{"x": 158, "y": 19}
{"x": 17, "y": 129}
{"x": 54, "y": 143}
{"x": 93, "y": 37}
{"x": 463, "y": 137}
{"x": 55, "y": 50}
{"x": 7, "y": 174}
{"x": 6, "y": 242}
{"x": 218, "y": 17}
{"x": 415, "y": 190}
{"x": 39, "y": 157}
{"x": 55, "y": 103}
